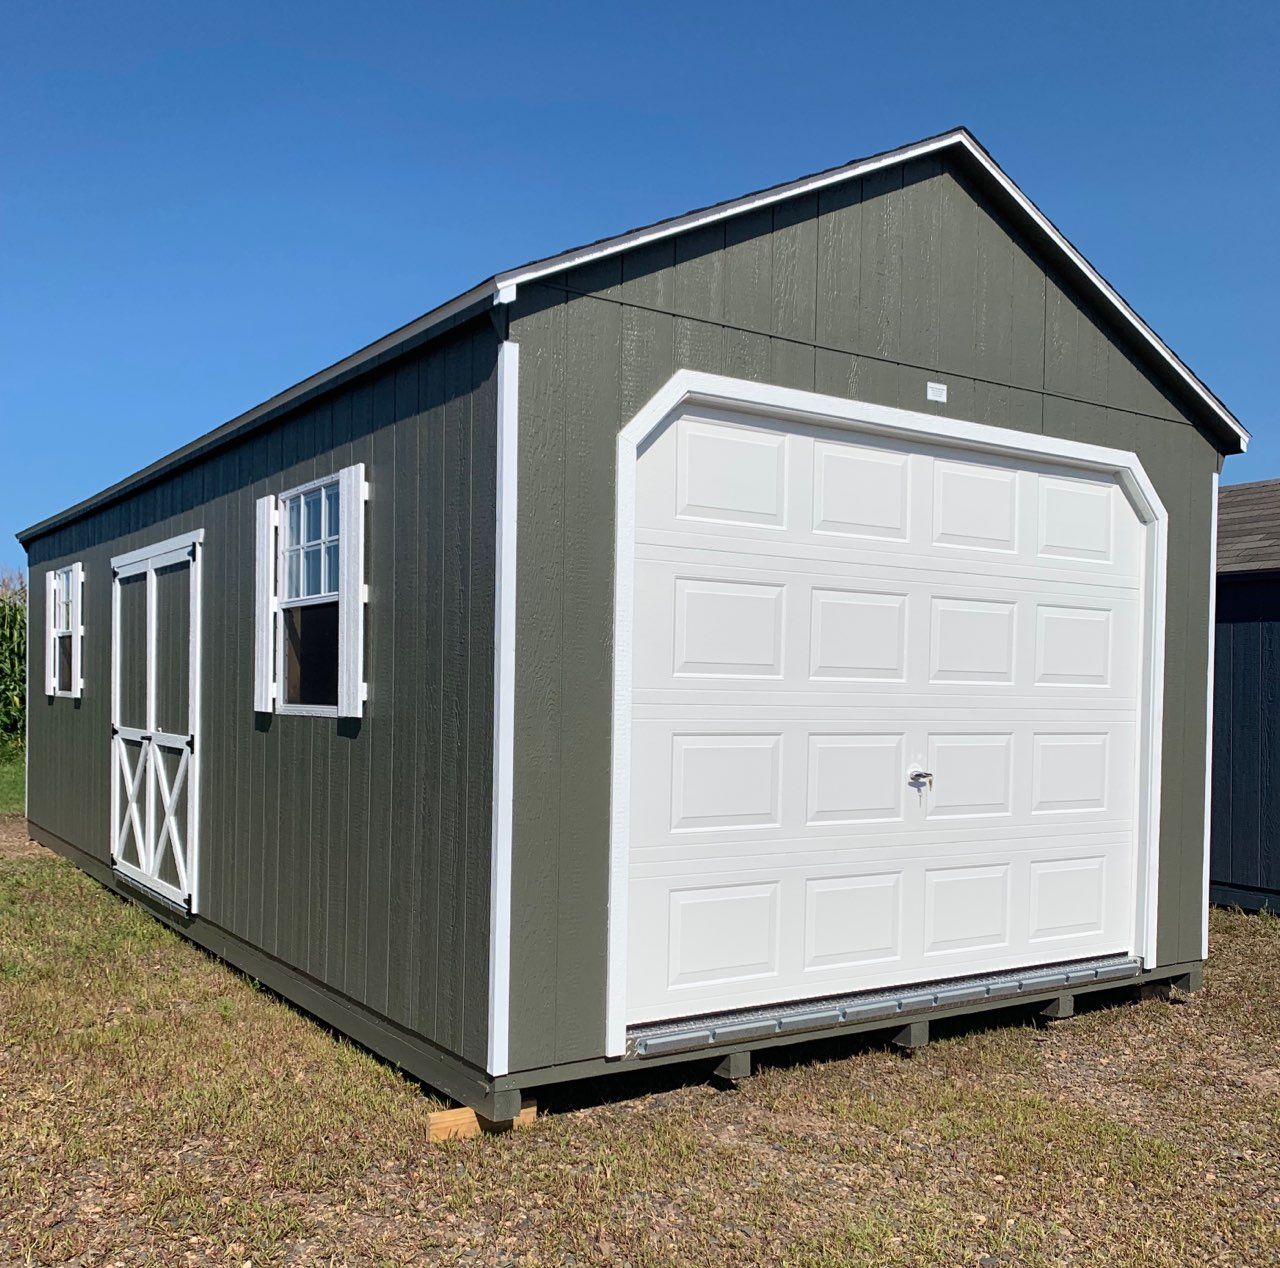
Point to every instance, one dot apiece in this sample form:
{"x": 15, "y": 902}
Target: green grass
{"x": 12, "y": 778}
{"x": 155, "y": 1108}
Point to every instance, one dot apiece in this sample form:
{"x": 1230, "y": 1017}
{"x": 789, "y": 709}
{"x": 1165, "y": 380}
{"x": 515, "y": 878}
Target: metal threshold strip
{"x": 691, "y": 1033}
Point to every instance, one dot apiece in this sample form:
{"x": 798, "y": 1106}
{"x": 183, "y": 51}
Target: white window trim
{"x": 54, "y": 631}
{"x": 351, "y": 597}
{"x": 693, "y": 388}
{"x": 281, "y": 603}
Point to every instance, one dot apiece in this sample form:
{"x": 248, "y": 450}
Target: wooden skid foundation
{"x": 464, "y": 1123}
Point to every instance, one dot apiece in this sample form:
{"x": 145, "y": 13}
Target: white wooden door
{"x": 155, "y": 709}
{"x": 884, "y": 715}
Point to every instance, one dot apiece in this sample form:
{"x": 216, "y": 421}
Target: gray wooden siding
{"x": 866, "y": 291}
{"x": 357, "y": 853}
{"x": 1245, "y": 863}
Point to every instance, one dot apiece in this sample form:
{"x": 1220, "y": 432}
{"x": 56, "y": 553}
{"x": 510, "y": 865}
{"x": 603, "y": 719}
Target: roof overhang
{"x": 502, "y": 288}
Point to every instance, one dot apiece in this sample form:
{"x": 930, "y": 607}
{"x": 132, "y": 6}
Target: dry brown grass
{"x": 155, "y": 1108}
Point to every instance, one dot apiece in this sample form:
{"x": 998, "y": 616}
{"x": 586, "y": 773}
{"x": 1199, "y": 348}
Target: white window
{"x": 64, "y": 591}
{"x": 309, "y": 639}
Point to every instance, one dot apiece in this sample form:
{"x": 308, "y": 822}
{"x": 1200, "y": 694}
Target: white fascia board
{"x": 722, "y": 211}
{"x": 957, "y": 138}
{"x": 1100, "y": 283}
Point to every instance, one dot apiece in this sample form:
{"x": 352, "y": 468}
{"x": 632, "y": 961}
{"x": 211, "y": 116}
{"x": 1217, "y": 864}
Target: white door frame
{"x": 147, "y": 775}
{"x": 690, "y": 388}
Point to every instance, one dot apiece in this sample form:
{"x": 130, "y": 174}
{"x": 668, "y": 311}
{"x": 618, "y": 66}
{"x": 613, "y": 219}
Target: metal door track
{"x": 690, "y": 1033}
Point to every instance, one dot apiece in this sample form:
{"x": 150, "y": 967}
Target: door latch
{"x": 920, "y": 779}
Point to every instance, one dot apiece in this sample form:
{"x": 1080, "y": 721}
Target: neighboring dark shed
{"x": 786, "y": 619}
{"x": 1245, "y": 856}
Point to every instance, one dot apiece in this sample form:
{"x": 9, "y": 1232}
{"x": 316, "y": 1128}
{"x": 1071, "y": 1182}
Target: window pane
{"x": 293, "y": 563}
{"x": 311, "y": 516}
{"x": 295, "y": 522}
{"x": 311, "y": 654}
{"x": 64, "y": 663}
{"x": 311, "y": 572}
{"x": 331, "y": 569}
{"x": 62, "y": 607}
{"x": 331, "y": 510}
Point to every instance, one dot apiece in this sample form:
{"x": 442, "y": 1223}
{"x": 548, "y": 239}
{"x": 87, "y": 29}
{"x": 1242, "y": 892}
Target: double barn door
{"x": 155, "y": 709}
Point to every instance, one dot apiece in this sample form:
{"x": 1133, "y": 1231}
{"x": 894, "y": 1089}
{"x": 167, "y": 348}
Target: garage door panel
{"x": 727, "y": 628}
{"x": 813, "y": 778}
{"x": 1073, "y": 645}
{"x": 975, "y": 506}
{"x": 852, "y": 921}
{"x": 1071, "y": 772}
{"x": 972, "y": 640}
{"x": 1068, "y": 898}
{"x": 710, "y": 700}
{"x": 719, "y": 934}
{"x": 817, "y": 615}
{"x": 972, "y": 775}
{"x": 855, "y": 778}
{"x": 714, "y": 474}
{"x": 731, "y": 475}
{"x": 722, "y": 935}
{"x": 686, "y": 856}
{"x": 860, "y": 492}
{"x": 709, "y": 627}
{"x": 857, "y": 635}
{"x": 724, "y": 781}
{"x": 830, "y": 557}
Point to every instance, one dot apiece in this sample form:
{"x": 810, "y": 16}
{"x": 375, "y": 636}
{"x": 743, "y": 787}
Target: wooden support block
{"x": 735, "y": 1066}
{"x": 1191, "y": 981}
{"x": 1058, "y": 1008}
{"x": 915, "y": 1034}
{"x": 464, "y": 1123}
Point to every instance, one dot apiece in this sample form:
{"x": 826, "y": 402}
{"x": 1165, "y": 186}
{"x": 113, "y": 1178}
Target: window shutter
{"x": 50, "y": 621}
{"x": 77, "y": 629}
{"x": 352, "y": 493}
{"x": 264, "y": 607}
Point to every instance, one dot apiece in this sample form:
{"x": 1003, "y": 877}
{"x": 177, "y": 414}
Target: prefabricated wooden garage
{"x": 788, "y": 618}
{"x": 1245, "y": 854}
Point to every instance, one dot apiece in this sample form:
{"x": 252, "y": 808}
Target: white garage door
{"x": 816, "y": 616}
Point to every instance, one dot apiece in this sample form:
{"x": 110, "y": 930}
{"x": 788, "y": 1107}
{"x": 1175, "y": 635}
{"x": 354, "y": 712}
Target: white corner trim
{"x": 957, "y": 138}
{"x": 1208, "y": 721}
{"x": 691, "y": 388}
{"x": 504, "y": 709}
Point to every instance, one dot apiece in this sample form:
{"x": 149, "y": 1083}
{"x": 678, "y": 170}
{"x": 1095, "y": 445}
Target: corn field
{"x": 13, "y": 656}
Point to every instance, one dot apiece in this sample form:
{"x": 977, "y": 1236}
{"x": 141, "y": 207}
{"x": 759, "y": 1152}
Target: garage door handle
{"x": 921, "y": 777}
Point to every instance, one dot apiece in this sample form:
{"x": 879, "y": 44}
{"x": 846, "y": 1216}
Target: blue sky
{"x": 200, "y": 205}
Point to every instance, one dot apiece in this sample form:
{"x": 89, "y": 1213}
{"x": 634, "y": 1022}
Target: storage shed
{"x": 786, "y": 619}
{"x": 1245, "y": 857}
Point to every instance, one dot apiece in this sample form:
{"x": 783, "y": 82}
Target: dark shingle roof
{"x": 1249, "y": 526}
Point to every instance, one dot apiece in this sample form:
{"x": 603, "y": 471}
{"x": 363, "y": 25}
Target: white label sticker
{"x": 936, "y": 391}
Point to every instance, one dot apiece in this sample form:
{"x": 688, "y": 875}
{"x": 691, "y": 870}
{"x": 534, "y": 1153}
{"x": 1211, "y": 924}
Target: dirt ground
{"x": 13, "y": 839}
{"x": 157, "y": 1108}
